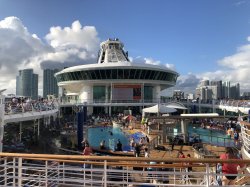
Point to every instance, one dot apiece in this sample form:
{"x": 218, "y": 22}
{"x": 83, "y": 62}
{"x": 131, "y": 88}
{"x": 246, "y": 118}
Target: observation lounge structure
{"x": 114, "y": 83}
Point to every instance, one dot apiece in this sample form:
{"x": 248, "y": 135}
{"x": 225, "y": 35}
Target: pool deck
{"x": 185, "y": 149}
{"x": 167, "y": 153}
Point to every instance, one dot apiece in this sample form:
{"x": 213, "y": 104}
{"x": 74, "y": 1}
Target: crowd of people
{"x": 141, "y": 146}
{"x": 25, "y": 104}
{"x": 235, "y": 103}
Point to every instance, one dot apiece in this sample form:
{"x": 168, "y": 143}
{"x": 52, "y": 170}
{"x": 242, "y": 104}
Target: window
{"x": 114, "y": 73}
{"x": 99, "y": 93}
{"x": 139, "y": 74}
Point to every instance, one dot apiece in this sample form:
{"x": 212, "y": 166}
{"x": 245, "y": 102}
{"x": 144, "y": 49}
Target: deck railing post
{"x": 39, "y": 179}
{"x": 63, "y": 170}
{"x": 105, "y": 173}
{"x": 207, "y": 175}
{"x": 46, "y": 173}
{"x": 84, "y": 173}
{"x": 58, "y": 173}
{"x": 5, "y": 171}
{"x": 127, "y": 175}
{"x": 14, "y": 171}
{"x": 174, "y": 176}
{"x": 20, "y": 171}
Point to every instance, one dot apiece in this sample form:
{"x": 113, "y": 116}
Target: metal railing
{"x": 245, "y": 136}
{"x": 69, "y": 170}
{"x": 204, "y": 138}
{"x": 233, "y": 103}
{"x": 17, "y": 108}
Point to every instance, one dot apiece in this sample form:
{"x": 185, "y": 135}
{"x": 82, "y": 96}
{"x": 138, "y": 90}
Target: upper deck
{"x": 114, "y": 65}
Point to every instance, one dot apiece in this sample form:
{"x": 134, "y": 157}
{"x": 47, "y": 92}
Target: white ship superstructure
{"x": 115, "y": 81}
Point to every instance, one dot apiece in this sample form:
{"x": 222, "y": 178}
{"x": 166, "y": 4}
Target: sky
{"x": 208, "y": 39}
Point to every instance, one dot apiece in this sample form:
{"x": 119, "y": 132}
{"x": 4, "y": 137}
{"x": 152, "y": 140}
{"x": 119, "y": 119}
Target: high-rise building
{"x": 178, "y": 94}
{"x": 217, "y": 90}
{"x": 216, "y": 87}
{"x": 190, "y": 96}
{"x": 204, "y": 83}
{"x": 246, "y": 95}
{"x": 226, "y": 89}
{"x": 50, "y": 83}
{"x": 27, "y": 84}
{"x": 235, "y": 91}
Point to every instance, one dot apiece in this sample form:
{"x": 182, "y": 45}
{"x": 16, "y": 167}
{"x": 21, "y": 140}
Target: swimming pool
{"x": 212, "y": 136}
{"x": 111, "y": 136}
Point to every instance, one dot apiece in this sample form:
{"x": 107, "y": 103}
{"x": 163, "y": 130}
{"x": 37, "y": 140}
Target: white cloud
{"x": 73, "y": 45}
{"x": 140, "y": 59}
{"x": 17, "y": 46}
{"x": 234, "y": 68}
{"x": 239, "y": 60}
{"x": 79, "y": 44}
{"x": 81, "y": 37}
{"x": 151, "y": 61}
{"x": 20, "y": 49}
{"x": 239, "y": 3}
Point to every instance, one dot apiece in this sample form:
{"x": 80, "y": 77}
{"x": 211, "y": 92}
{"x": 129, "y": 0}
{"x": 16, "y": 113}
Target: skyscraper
{"x": 217, "y": 90}
{"x": 49, "y": 83}
{"x": 204, "y": 83}
{"x": 27, "y": 84}
{"x": 226, "y": 89}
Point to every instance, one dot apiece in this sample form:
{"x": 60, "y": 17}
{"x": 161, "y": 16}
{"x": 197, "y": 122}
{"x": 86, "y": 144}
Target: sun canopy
{"x": 159, "y": 108}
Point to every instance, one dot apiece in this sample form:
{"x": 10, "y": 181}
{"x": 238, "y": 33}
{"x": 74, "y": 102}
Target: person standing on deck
{"x": 137, "y": 150}
{"x": 229, "y": 168}
{"x": 146, "y": 153}
{"x": 236, "y": 138}
{"x": 181, "y": 155}
{"x": 88, "y": 150}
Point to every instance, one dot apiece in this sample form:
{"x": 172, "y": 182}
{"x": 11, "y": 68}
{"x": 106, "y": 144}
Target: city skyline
{"x": 200, "y": 40}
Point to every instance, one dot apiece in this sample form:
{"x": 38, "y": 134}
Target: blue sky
{"x": 201, "y": 38}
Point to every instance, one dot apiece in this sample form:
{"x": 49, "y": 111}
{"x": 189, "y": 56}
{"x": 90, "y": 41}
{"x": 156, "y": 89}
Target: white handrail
{"x": 48, "y": 170}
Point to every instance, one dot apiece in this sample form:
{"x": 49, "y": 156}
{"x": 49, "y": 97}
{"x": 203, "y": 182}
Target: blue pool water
{"x": 111, "y": 136}
{"x": 216, "y": 137}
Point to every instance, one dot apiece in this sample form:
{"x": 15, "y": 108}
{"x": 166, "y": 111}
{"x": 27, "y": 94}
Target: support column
{"x": 142, "y": 93}
{"x": 199, "y": 104}
{"x": 106, "y": 94}
{"x": 213, "y": 105}
{"x": 20, "y": 132}
{"x": 157, "y": 93}
{"x": 38, "y": 128}
{"x": 111, "y": 90}
{"x": 106, "y": 109}
{"x": 34, "y": 130}
{"x": 44, "y": 121}
{"x": 106, "y": 98}
{"x": 109, "y": 110}
{"x": 48, "y": 120}
{"x": 184, "y": 129}
{"x": 164, "y": 132}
